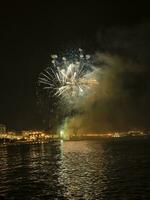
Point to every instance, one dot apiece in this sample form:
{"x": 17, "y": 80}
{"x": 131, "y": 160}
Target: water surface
{"x": 105, "y": 169}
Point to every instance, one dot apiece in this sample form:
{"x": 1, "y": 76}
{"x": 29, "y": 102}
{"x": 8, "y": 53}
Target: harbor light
{"x": 62, "y": 133}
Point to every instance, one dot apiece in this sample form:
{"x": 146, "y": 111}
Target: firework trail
{"x": 68, "y": 78}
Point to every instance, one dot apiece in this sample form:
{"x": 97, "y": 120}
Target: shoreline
{"x": 75, "y": 139}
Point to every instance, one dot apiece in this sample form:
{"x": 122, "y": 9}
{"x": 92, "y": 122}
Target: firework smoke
{"x": 122, "y": 96}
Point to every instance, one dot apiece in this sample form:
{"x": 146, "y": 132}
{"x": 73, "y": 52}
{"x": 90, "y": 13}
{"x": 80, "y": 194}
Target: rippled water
{"x": 106, "y": 169}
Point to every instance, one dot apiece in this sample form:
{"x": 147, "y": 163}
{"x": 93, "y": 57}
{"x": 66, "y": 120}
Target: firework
{"x": 69, "y": 77}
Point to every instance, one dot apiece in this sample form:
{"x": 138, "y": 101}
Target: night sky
{"x": 31, "y": 32}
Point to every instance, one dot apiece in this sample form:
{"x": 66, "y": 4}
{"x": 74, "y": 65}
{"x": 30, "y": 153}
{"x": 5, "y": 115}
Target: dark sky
{"x": 31, "y": 32}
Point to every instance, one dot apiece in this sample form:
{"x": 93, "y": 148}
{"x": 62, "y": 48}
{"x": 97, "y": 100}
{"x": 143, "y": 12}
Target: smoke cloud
{"x": 122, "y": 97}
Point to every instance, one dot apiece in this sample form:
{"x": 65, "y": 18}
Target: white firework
{"x": 69, "y": 78}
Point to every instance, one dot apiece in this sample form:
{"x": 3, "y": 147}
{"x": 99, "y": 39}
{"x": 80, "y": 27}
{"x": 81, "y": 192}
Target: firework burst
{"x": 68, "y": 78}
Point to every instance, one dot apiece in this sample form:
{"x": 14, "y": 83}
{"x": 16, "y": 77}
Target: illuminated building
{"x": 2, "y": 128}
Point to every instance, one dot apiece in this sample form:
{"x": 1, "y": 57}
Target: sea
{"x": 102, "y": 169}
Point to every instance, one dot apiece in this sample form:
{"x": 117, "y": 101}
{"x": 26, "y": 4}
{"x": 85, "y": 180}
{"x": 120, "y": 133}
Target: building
{"x": 2, "y": 128}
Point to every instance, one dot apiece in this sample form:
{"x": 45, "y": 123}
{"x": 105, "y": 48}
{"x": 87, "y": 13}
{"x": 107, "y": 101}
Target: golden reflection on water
{"x": 75, "y": 147}
{"x": 80, "y": 168}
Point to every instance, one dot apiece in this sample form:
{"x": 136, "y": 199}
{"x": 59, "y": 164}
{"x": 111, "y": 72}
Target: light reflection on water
{"x": 78, "y": 173}
{"x": 108, "y": 169}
